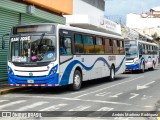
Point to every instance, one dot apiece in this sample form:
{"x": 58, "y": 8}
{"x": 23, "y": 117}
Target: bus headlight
{"x": 135, "y": 61}
{"x": 10, "y": 71}
{"x": 53, "y": 70}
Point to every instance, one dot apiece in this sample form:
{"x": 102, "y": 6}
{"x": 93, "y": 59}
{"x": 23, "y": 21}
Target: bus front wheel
{"x": 77, "y": 80}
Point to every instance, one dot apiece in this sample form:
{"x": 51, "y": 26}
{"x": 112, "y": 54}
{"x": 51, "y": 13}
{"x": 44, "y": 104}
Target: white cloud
{"x": 117, "y": 9}
{"x": 122, "y": 7}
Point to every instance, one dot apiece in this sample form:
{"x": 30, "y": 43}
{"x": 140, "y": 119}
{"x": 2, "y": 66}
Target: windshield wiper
{"x": 40, "y": 43}
{"x": 41, "y": 38}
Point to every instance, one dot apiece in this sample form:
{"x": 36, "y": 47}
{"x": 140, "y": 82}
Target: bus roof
{"x": 105, "y": 34}
{"x": 148, "y": 43}
{"x": 60, "y": 26}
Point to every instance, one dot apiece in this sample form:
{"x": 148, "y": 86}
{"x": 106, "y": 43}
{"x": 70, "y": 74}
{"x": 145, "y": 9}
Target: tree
{"x": 156, "y": 37}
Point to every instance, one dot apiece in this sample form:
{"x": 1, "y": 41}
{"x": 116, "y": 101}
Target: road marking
{"x": 74, "y": 99}
{"x": 99, "y": 113}
{"x": 105, "y": 109}
{"x": 3, "y": 100}
{"x": 11, "y": 103}
{"x": 116, "y": 95}
{"x": 122, "y": 118}
{"x": 145, "y": 97}
{"x": 134, "y": 95}
{"x": 71, "y": 112}
{"x": 144, "y": 86}
{"x": 108, "y": 87}
{"x": 78, "y": 92}
{"x": 80, "y": 108}
{"x": 31, "y": 106}
{"x": 109, "y": 102}
{"x": 53, "y": 108}
{"x": 148, "y": 106}
{"x": 103, "y": 94}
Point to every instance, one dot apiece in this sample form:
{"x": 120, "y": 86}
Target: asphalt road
{"x": 129, "y": 92}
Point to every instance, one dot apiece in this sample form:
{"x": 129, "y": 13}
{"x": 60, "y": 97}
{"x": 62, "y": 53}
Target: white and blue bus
{"x": 57, "y": 55}
{"x": 141, "y": 55}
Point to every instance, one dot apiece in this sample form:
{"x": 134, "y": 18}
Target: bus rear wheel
{"x": 143, "y": 68}
{"x": 153, "y": 66}
{"x": 112, "y": 74}
{"x": 77, "y": 81}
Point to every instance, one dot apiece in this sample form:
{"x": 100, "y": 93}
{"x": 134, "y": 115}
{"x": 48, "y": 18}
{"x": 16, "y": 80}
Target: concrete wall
{"x": 82, "y": 8}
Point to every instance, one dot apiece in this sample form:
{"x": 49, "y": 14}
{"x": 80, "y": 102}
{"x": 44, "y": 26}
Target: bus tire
{"x": 112, "y": 73}
{"x": 153, "y": 66}
{"x": 77, "y": 81}
{"x": 143, "y": 68}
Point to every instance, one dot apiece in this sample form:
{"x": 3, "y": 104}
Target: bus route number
{"x": 111, "y": 58}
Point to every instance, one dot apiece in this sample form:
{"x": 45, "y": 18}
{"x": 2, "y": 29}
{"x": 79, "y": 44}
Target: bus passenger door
{"x": 65, "y": 49}
{"x": 65, "y": 52}
{"x": 65, "y": 46}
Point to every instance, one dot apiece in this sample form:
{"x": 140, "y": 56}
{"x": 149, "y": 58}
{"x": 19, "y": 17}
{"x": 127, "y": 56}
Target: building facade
{"x": 146, "y": 23}
{"x": 14, "y": 12}
{"x": 89, "y": 14}
{"x": 93, "y": 8}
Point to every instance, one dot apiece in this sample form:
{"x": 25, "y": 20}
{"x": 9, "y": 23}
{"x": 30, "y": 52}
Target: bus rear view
{"x": 32, "y": 59}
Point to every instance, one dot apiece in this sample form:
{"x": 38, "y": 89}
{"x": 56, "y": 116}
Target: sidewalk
{"x": 5, "y": 88}
{"x": 158, "y": 109}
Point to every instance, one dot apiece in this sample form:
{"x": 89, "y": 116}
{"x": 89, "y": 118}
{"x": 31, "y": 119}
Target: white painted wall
{"x": 82, "y": 8}
{"x": 135, "y": 21}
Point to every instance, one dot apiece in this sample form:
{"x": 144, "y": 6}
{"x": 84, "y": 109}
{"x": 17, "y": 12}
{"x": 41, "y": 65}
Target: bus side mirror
{"x": 140, "y": 56}
{"x": 3, "y": 42}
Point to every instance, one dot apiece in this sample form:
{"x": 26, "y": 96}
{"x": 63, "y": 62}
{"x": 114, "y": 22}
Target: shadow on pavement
{"x": 65, "y": 89}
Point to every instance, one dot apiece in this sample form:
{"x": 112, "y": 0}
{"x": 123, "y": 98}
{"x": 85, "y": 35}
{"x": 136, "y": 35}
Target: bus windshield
{"x": 131, "y": 51}
{"x": 33, "y": 48}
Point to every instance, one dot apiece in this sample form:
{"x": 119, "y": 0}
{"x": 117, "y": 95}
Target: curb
{"x": 9, "y": 90}
{"x": 158, "y": 118}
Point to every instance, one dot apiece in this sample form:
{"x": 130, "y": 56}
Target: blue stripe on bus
{"x": 65, "y": 77}
{"x": 116, "y": 69}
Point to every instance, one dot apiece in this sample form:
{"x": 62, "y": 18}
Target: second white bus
{"x": 141, "y": 55}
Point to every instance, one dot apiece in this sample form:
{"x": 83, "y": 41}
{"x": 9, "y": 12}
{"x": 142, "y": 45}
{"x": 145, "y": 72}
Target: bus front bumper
{"x": 132, "y": 67}
{"x": 50, "y": 80}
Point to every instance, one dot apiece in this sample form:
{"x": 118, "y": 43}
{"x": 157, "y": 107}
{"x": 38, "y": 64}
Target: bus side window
{"x": 78, "y": 43}
{"x": 115, "y": 47}
{"x": 140, "y": 49}
{"x": 108, "y": 46}
{"x": 99, "y": 48}
{"x": 88, "y": 44}
{"x": 67, "y": 44}
{"x": 122, "y": 51}
{"x": 143, "y": 50}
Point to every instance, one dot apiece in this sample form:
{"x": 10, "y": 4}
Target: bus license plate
{"x": 30, "y": 81}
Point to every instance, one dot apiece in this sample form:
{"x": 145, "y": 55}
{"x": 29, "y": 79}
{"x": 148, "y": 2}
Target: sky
{"x": 116, "y": 10}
